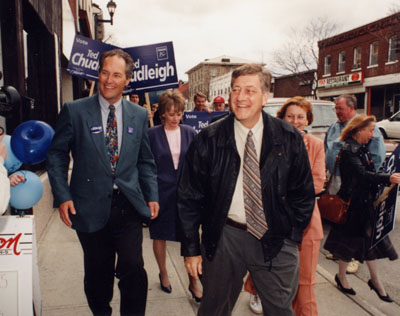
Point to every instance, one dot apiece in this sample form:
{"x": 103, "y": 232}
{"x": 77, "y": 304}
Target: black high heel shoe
{"x": 386, "y": 298}
{"x": 196, "y": 298}
{"x": 166, "y": 289}
{"x": 342, "y": 288}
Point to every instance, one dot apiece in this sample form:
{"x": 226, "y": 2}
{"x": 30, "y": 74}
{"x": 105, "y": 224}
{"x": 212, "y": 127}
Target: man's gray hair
{"x": 350, "y": 99}
{"x": 253, "y": 69}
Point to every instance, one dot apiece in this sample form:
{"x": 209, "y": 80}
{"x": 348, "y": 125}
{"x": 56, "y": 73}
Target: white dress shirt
{"x": 236, "y": 210}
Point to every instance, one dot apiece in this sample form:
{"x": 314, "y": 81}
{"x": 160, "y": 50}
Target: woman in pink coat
{"x": 298, "y": 112}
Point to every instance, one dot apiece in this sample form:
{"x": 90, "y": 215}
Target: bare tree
{"x": 300, "y": 53}
{"x": 394, "y": 8}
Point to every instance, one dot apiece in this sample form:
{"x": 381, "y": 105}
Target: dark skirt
{"x": 165, "y": 226}
{"x": 346, "y": 247}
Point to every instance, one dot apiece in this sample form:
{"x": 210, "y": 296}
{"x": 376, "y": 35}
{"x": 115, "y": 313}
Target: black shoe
{"x": 166, "y": 289}
{"x": 342, "y": 288}
{"x": 386, "y": 298}
{"x": 196, "y": 298}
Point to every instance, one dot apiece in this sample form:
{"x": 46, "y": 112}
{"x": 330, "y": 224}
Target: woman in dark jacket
{"x": 360, "y": 184}
{"x": 169, "y": 143}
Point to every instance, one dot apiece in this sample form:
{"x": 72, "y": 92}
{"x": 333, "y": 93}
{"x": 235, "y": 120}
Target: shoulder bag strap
{"x": 334, "y": 170}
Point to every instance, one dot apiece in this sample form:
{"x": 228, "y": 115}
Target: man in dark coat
{"x": 247, "y": 181}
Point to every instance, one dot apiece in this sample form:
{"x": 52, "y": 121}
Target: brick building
{"x": 365, "y": 62}
{"x": 294, "y": 85}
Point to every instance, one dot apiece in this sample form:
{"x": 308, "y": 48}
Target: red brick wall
{"x": 363, "y": 36}
{"x": 294, "y": 85}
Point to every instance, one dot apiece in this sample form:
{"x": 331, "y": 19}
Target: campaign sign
{"x": 385, "y": 211}
{"x": 154, "y": 65}
{"x": 199, "y": 120}
{"x": 84, "y": 59}
{"x": 154, "y": 68}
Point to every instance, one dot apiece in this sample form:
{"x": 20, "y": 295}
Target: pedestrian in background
{"x": 200, "y": 103}
{"x": 169, "y": 143}
{"x": 345, "y": 107}
{"x": 298, "y": 112}
{"x": 359, "y": 185}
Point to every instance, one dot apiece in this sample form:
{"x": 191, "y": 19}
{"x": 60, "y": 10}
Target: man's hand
{"x": 193, "y": 266}
{"x": 64, "y": 208}
{"x": 154, "y": 208}
{"x": 207, "y": 109}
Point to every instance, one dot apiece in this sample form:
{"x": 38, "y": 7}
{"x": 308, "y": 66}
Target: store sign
{"x": 339, "y": 81}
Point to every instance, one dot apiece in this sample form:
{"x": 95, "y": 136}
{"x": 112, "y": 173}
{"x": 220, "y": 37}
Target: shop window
{"x": 394, "y": 48}
{"x": 327, "y": 65}
{"x": 357, "y": 58}
{"x": 373, "y": 53}
{"x": 342, "y": 61}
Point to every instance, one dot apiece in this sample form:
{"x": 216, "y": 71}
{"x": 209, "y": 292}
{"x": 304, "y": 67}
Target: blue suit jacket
{"x": 79, "y": 132}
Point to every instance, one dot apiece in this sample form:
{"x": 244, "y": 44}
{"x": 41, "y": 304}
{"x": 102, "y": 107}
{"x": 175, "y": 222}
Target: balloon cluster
{"x": 28, "y": 144}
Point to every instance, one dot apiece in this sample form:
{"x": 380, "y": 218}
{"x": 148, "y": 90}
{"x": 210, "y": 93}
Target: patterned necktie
{"x": 255, "y": 217}
{"x": 112, "y": 138}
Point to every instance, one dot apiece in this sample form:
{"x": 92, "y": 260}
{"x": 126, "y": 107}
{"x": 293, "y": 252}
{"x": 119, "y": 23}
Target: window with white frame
{"x": 357, "y": 57}
{"x": 373, "y": 53}
{"x": 327, "y": 65}
{"x": 342, "y": 61}
{"x": 394, "y": 43}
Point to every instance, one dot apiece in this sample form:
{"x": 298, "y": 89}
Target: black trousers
{"x": 120, "y": 239}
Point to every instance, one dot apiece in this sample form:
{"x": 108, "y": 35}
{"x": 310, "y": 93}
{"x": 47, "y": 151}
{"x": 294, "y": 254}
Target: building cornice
{"x": 362, "y": 30}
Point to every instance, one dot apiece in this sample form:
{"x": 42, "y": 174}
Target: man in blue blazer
{"x": 113, "y": 186}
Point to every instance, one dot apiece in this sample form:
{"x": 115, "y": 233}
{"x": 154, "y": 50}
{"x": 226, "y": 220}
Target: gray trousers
{"x": 238, "y": 252}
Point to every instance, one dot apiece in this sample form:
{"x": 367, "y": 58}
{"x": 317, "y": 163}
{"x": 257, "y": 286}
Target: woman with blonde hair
{"x": 359, "y": 185}
{"x": 169, "y": 143}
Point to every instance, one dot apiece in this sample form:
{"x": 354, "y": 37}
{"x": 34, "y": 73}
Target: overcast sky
{"x": 250, "y": 29}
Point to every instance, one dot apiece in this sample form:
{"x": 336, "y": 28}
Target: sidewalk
{"x": 61, "y": 280}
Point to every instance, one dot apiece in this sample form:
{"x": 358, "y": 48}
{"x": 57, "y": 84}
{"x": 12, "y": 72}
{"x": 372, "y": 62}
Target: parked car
{"x": 324, "y": 116}
{"x": 390, "y": 128}
{"x": 323, "y": 112}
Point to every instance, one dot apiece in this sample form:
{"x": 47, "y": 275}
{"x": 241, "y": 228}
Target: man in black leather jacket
{"x": 210, "y": 194}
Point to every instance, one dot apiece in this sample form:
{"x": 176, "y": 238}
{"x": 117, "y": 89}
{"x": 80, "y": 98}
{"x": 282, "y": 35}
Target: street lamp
{"x": 111, "y": 6}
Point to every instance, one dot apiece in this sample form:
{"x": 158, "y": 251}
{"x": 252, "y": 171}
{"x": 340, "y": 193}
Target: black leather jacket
{"x": 208, "y": 180}
{"x": 360, "y": 182}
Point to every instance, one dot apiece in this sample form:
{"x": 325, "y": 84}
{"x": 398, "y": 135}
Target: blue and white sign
{"x": 154, "y": 65}
{"x": 199, "y": 120}
{"x": 154, "y": 68}
{"x": 385, "y": 211}
{"x": 85, "y": 55}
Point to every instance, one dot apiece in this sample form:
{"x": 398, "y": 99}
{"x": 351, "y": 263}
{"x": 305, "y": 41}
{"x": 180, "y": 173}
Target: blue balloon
{"x": 26, "y": 194}
{"x": 31, "y": 141}
{"x": 12, "y": 163}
